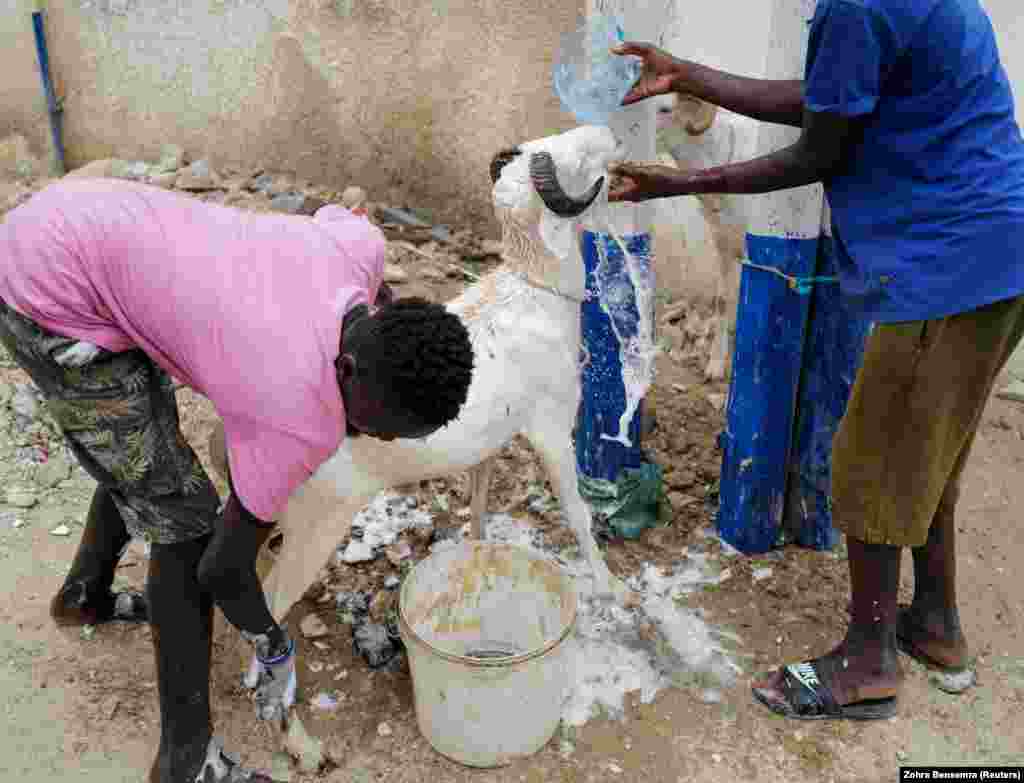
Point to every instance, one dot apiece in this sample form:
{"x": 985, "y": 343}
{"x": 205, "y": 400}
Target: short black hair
{"x": 419, "y": 358}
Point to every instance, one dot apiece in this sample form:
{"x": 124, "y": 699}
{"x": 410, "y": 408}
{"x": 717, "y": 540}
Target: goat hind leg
{"x": 480, "y": 483}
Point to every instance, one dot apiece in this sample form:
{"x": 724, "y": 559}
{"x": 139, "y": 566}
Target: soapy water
{"x": 616, "y": 651}
{"x": 631, "y": 314}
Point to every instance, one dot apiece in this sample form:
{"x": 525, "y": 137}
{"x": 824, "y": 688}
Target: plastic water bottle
{"x": 589, "y": 80}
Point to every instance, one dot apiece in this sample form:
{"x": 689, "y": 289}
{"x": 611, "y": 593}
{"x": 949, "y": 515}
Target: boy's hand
{"x": 660, "y": 74}
{"x": 640, "y": 182}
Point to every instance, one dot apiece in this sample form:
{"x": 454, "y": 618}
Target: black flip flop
{"x": 808, "y": 698}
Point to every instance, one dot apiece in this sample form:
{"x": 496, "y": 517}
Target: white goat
{"x": 697, "y": 135}
{"x": 524, "y": 319}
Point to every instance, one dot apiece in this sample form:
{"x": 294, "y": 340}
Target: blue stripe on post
{"x": 832, "y": 356}
{"x": 770, "y": 323}
{"x": 603, "y": 394}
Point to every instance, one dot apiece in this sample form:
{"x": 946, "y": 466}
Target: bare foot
{"x": 935, "y": 637}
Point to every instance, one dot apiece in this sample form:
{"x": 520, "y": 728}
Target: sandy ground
{"x": 82, "y": 706}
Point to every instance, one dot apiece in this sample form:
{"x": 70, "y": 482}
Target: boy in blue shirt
{"x": 908, "y": 120}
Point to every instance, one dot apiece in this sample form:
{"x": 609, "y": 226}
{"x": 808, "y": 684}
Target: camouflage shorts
{"x": 119, "y": 416}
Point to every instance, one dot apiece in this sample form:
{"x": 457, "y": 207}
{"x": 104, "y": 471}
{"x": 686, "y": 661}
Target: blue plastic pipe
{"x": 53, "y": 104}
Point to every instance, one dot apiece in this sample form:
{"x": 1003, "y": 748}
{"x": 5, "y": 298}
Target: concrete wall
{"x": 405, "y": 97}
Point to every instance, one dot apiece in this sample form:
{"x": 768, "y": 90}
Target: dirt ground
{"x": 82, "y": 706}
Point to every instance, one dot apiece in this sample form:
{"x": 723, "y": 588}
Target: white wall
{"x": 1008, "y": 19}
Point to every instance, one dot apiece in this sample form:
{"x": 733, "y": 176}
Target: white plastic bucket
{"x": 484, "y": 626}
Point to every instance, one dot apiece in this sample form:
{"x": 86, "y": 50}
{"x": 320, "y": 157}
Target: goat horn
{"x": 501, "y": 160}
{"x": 545, "y": 181}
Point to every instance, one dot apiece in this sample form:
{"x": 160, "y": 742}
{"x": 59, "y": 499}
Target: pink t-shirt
{"x": 246, "y": 308}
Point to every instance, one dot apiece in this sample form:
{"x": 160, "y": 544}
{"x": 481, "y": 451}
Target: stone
{"x": 325, "y": 701}
{"x": 395, "y": 274}
{"x": 392, "y": 582}
{"x": 375, "y": 644}
{"x": 680, "y": 500}
{"x": 16, "y": 158}
{"x": 717, "y": 401}
{"x": 307, "y": 750}
{"x": 134, "y": 170}
{"x": 24, "y": 402}
{"x": 198, "y": 176}
{"x": 264, "y": 183}
{"x": 353, "y": 197}
{"x": 434, "y": 275}
{"x": 166, "y": 179}
{"x": 357, "y": 552}
{"x": 172, "y": 158}
{"x": 61, "y": 530}
{"x": 1014, "y": 392}
{"x": 21, "y": 498}
{"x": 52, "y": 472}
{"x": 384, "y": 730}
{"x": 313, "y": 627}
{"x": 289, "y": 203}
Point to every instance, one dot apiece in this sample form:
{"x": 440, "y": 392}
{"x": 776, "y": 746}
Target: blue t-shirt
{"x": 928, "y": 212}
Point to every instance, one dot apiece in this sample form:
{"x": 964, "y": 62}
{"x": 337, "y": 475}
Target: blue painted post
{"x": 53, "y": 103}
{"x": 603, "y": 395}
{"x": 770, "y": 326}
{"x": 831, "y": 357}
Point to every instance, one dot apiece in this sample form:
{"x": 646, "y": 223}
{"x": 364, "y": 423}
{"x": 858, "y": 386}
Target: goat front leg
{"x": 480, "y": 483}
{"x": 554, "y": 444}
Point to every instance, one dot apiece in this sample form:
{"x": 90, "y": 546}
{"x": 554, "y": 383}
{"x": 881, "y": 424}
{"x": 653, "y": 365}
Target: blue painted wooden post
{"x": 770, "y": 325}
{"x": 832, "y": 355}
{"x": 603, "y": 397}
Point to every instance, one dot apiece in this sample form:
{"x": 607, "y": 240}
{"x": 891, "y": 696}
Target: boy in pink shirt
{"x": 109, "y": 288}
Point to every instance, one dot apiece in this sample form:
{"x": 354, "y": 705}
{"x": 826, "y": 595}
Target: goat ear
{"x": 502, "y": 159}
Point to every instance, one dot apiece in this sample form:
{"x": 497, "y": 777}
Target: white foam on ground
{"x": 615, "y": 651}
{"x": 381, "y": 522}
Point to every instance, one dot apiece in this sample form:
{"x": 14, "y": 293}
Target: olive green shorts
{"x": 912, "y": 418}
{"x": 119, "y": 416}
